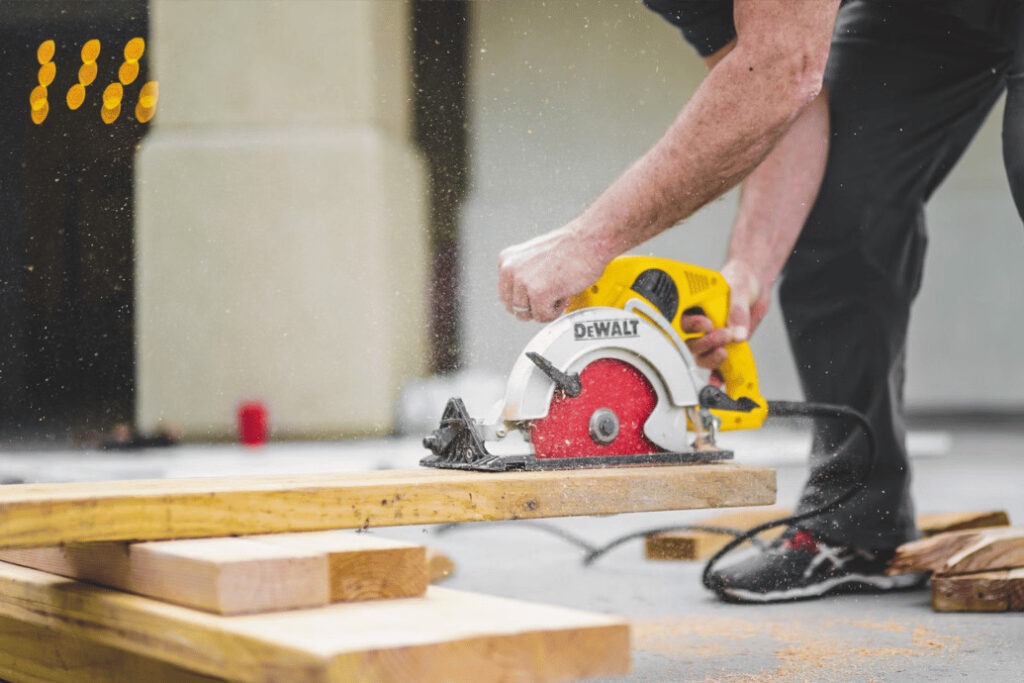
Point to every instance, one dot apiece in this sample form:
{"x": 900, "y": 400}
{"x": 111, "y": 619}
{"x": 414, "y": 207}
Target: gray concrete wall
{"x": 281, "y": 233}
{"x": 565, "y": 95}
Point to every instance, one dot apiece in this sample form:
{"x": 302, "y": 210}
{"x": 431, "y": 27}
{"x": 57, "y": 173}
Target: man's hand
{"x": 537, "y": 278}
{"x": 748, "y": 303}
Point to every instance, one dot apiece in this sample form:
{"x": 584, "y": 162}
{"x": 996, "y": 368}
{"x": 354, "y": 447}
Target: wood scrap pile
{"x": 973, "y": 571}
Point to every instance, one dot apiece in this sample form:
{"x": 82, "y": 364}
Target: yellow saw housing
{"x": 674, "y": 288}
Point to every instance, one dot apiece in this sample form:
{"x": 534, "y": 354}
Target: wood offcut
{"x": 962, "y": 552}
{"x": 998, "y": 591}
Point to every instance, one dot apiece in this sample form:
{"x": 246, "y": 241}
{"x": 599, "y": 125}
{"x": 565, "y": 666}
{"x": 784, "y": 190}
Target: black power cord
{"x": 783, "y": 409}
{"x": 803, "y": 409}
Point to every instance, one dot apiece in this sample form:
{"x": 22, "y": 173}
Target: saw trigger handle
{"x": 711, "y": 397}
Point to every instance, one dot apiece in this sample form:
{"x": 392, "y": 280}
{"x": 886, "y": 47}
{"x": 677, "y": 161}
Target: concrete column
{"x": 281, "y": 228}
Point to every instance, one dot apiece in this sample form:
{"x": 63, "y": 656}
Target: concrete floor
{"x": 680, "y": 631}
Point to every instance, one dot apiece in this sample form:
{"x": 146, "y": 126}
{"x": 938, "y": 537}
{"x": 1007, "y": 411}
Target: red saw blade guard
{"x": 581, "y": 427}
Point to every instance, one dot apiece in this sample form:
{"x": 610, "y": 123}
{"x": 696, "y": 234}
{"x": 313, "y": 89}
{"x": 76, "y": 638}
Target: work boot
{"x": 801, "y": 566}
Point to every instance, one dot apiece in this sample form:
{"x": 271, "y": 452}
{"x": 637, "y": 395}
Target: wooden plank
{"x": 360, "y": 566}
{"x": 1001, "y": 591}
{"x": 35, "y": 653}
{"x": 445, "y": 635}
{"x": 220, "y": 575}
{"x": 962, "y": 552}
{"x": 697, "y": 545}
{"x": 934, "y": 523}
{"x": 143, "y": 510}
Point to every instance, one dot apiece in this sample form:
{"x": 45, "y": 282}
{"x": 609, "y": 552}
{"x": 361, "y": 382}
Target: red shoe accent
{"x": 802, "y": 540}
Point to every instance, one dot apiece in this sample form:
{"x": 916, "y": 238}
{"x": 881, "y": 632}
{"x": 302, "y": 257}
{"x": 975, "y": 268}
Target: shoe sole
{"x": 850, "y": 582}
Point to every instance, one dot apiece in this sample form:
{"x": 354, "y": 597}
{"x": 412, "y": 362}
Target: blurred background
{"x": 309, "y": 215}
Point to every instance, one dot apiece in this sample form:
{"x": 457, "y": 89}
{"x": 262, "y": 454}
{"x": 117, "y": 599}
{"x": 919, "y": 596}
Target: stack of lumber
{"x": 686, "y": 544}
{"x": 232, "y": 578}
{"x": 318, "y": 606}
{"x": 973, "y": 571}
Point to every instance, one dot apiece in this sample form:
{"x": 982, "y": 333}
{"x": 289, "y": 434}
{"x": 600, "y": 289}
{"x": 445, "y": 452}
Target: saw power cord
{"x": 782, "y": 409}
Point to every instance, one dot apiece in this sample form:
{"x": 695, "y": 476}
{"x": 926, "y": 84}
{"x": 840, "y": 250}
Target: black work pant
{"x": 909, "y": 85}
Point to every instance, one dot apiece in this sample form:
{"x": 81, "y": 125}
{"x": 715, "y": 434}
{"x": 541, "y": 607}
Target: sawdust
{"x": 803, "y": 651}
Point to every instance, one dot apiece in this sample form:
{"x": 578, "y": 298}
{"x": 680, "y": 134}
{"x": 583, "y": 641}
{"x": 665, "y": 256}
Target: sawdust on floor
{"x": 817, "y": 650}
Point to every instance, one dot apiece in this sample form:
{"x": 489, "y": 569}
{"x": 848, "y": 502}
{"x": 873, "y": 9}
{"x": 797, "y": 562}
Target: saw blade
{"x": 606, "y": 419}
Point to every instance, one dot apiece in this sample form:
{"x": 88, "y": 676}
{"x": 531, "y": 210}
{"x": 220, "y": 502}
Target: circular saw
{"x": 611, "y": 382}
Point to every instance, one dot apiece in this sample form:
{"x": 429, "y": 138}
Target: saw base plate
{"x": 508, "y": 463}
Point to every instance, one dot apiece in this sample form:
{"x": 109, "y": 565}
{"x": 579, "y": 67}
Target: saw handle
{"x": 674, "y": 288}
{"x": 740, "y": 376}
{"x": 738, "y": 371}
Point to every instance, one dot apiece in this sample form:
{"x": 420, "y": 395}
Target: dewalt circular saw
{"x": 611, "y": 382}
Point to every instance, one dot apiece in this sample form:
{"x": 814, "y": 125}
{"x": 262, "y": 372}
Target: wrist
{"x": 596, "y": 241}
{"x": 749, "y": 273}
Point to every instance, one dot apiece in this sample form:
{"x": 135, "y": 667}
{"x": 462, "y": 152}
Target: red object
{"x": 607, "y": 383}
{"x": 252, "y": 423}
{"x": 802, "y": 540}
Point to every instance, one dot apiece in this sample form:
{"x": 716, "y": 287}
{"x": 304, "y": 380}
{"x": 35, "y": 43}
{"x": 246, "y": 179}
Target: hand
{"x": 748, "y": 303}
{"x": 537, "y": 278}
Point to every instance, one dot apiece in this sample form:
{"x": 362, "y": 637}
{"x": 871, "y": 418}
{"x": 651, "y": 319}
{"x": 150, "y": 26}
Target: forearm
{"x": 727, "y": 128}
{"x": 778, "y": 195}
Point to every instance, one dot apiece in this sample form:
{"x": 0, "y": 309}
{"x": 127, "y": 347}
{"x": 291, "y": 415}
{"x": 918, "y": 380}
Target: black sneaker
{"x": 801, "y": 566}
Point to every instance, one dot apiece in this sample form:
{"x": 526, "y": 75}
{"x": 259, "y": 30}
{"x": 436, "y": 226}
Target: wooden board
{"x": 934, "y": 523}
{"x": 35, "y": 653}
{"x": 360, "y": 566}
{"x": 221, "y": 575}
{"x": 244, "y": 575}
{"x": 1000, "y": 591}
{"x": 445, "y": 635}
{"x": 143, "y": 510}
{"x": 962, "y": 552}
{"x": 697, "y": 545}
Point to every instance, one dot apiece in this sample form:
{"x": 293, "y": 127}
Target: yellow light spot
{"x": 46, "y": 73}
{"x": 39, "y": 115}
{"x": 37, "y": 98}
{"x": 110, "y": 114}
{"x": 76, "y": 95}
{"x": 87, "y": 73}
{"x": 45, "y": 51}
{"x": 90, "y": 51}
{"x": 112, "y": 96}
{"x": 133, "y": 49}
{"x": 144, "y": 114}
{"x": 128, "y": 72}
{"x": 149, "y": 94}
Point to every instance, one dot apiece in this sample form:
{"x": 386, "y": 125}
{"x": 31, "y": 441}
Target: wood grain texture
{"x": 445, "y": 635}
{"x": 934, "y": 523}
{"x": 143, "y": 510}
{"x": 1000, "y": 591}
{"x": 35, "y": 653}
{"x": 698, "y": 545}
{"x": 360, "y": 566}
{"x": 962, "y": 552}
{"x": 220, "y": 575}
